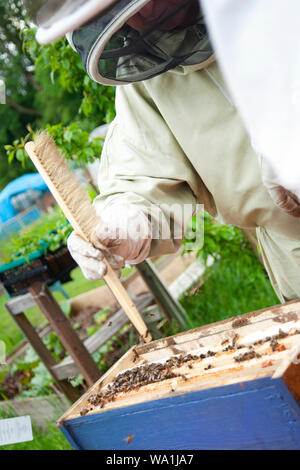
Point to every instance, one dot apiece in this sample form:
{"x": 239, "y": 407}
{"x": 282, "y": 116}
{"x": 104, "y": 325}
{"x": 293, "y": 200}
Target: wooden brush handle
{"x": 126, "y": 303}
{"x": 110, "y": 278}
{"x": 122, "y": 296}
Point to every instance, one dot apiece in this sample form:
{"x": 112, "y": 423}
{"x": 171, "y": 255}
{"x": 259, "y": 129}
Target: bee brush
{"x": 76, "y": 205}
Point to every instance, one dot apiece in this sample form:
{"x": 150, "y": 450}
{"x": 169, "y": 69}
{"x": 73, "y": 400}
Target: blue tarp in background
{"x": 19, "y": 185}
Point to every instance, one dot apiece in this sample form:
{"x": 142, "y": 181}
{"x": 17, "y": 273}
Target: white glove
{"x": 124, "y": 230}
{"x": 285, "y": 199}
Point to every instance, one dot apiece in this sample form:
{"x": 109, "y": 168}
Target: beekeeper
{"x": 177, "y": 139}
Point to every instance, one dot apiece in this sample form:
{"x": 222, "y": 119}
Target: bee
{"x": 129, "y": 438}
{"x": 194, "y": 290}
{"x": 135, "y": 355}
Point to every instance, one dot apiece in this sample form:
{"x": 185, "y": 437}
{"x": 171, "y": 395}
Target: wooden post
{"x": 62, "y": 327}
{"x": 170, "y": 306}
{"x": 44, "y": 354}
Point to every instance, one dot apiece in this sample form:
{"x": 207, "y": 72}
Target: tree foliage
{"x": 16, "y": 69}
{"x": 61, "y": 67}
{"x": 46, "y": 87}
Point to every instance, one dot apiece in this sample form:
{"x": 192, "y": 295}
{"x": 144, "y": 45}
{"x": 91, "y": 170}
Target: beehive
{"x": 233, "y": 384}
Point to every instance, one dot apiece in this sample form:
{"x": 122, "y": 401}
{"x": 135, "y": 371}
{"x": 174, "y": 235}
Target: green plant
{"x": 33, "y": 378}
{"x": 28, "y": 362}
{"x": 65, "y": 68}
{"x": 66, "y": 307}
{"x": 51, "y": 231}
{"x": 100, "y": 356}
{"x": 77, "y": 380}
{"x": 17, "y": 70}
{"x": 54, "y": 344}
{"x": 220, "y": 240}
{"x": 101, "y": 317}
{"x": 74, "y": 143}
{"x": 47, "y": 86}
{"x": 92, "y": 329}
{"x": 40, "y": 382}
{"x": 21, "y": 246}
{"x": 57, "y": 237}
{"x": 235, "y": 283}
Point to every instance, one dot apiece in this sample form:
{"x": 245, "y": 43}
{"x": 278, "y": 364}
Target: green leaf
{"x": 20, "y": 155}
{"x": 91, "y": 330}
{"x": 68, "y": 135}
{"x": 66, "y": 307}
{"x": 77, "y": 381}
{"x": 42, "y": 377}
{"x": 3, "y": 373}
{"x": 11, "y": 156}
{"x": 52, "y": 76}
{"x": 29, "y": 361}
{"x": 101, "y": 317}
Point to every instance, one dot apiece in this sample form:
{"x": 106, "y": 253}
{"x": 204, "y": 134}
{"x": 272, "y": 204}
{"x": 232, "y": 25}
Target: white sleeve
{"x": 257, "y": 43}
{"x": 142, "y": 164}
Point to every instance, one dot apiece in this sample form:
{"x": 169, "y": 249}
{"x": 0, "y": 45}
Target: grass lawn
{"x": 230, "y": 288}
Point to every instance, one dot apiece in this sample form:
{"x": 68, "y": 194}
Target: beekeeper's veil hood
{"x": 127, "y": 41}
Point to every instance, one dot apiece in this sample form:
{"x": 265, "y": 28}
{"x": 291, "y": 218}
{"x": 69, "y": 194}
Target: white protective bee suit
{"x": 178, "y": 139}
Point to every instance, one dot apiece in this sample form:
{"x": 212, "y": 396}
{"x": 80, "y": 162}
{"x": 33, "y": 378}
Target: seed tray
{"x": 20, "y": 274}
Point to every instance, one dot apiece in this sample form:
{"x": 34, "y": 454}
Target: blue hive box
{"x": 233, "y": 384}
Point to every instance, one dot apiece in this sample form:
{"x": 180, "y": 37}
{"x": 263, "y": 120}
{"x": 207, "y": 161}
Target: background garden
{"x": 47, "y": 87}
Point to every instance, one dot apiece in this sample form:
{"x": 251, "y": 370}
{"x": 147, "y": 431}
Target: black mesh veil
{"x": 113, "y": 52}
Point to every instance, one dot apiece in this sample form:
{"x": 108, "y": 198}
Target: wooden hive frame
{"x": 240, "y": 374}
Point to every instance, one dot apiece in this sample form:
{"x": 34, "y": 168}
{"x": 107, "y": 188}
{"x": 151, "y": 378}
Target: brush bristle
{"x": 74, "y": 196}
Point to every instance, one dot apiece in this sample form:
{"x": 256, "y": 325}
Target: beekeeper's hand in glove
{"x": 124, "y": 229}
{"x": 288, "y": 200}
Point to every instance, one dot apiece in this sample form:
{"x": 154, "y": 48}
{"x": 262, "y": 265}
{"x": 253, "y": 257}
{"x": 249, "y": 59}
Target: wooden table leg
{"x": 44, "y": 354}
{"x": 62, "y": 327}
